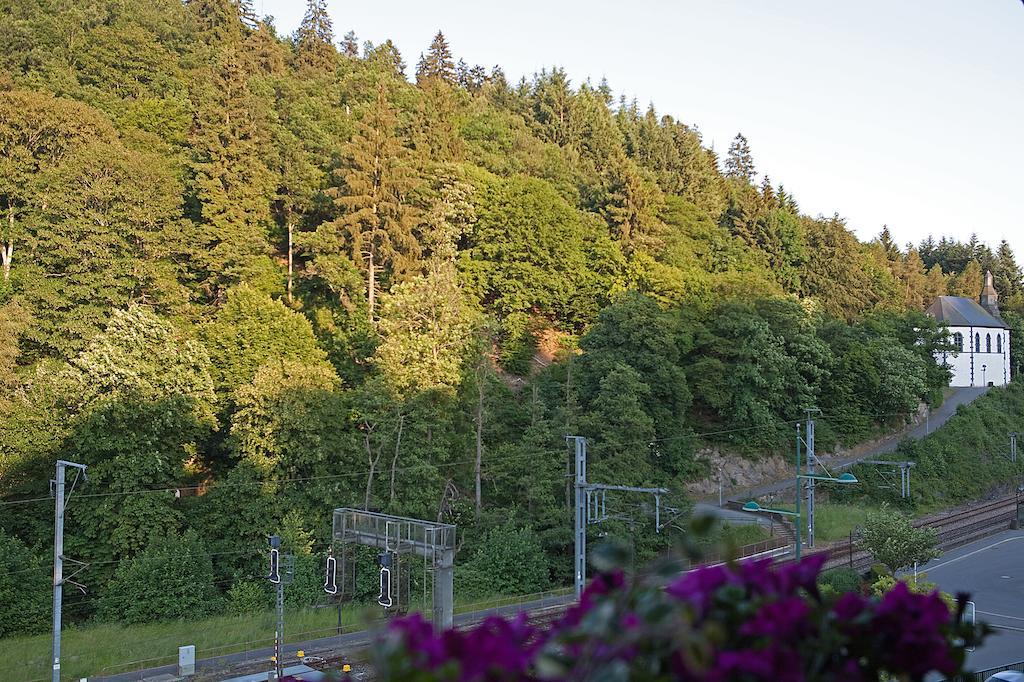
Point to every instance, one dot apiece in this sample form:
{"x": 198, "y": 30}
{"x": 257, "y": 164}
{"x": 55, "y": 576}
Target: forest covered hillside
{"x": 248, "y": 278}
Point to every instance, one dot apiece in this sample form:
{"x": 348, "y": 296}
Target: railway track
{"x": 952, "y": 530}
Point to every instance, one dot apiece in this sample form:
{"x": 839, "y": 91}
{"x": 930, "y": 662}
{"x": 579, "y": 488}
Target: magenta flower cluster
{"x": 743, "y": 621}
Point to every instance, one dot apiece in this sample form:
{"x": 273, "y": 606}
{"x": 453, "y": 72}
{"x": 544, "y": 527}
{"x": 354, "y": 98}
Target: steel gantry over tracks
{"x": 395, "y": 537}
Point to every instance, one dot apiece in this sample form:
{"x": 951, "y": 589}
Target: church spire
{"x": 989, "y": 298}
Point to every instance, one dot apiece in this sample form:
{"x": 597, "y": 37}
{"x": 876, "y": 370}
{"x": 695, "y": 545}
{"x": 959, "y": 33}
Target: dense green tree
{"x": 527, "y": 217}
{"x": 637, "y": 348}
{"x": 24, "y": 589}
{"x": 287, "y": 420}
{"x": 969, "y": 282}
{"x": 232, "y": 187}
{"x": 36, "y": 132}
{"x": 251, "y": 329}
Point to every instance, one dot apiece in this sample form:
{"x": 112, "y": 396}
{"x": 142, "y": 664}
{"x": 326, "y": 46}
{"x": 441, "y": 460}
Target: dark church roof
{"x": 956, "y": 311}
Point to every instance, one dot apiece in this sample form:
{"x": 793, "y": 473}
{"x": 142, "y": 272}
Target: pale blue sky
{"x": 905, "y": 112}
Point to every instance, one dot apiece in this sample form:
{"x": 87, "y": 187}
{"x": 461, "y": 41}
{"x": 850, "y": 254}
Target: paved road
{"x": 959, "y": 396}
{"x": 992, "y": 570}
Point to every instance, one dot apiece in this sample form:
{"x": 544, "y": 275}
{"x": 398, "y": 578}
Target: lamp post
{"x": 753, "y": 507}
{"x": 984, "y": 381}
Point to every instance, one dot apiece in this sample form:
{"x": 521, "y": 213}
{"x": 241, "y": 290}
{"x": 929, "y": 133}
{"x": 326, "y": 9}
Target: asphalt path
{"x": 959, "y": 396}
{"x": 992, "y": 571}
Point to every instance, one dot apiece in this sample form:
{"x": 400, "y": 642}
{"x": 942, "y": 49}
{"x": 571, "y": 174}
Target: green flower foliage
{"x": 426, "y": 328}
{"x": 143, "y": 356}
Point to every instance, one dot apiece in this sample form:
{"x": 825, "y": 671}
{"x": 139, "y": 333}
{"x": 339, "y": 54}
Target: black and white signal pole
{"x": 58, "y": 485}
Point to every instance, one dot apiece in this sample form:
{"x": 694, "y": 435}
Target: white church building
{"x": 981, "y": 338}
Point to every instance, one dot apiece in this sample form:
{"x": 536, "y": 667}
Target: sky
{"x": 908, "y": 113}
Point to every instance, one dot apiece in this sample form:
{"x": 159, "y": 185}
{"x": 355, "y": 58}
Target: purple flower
{"x": 849, "y": 606}
{"x": 912, "y": 626}
{"x": 783, "y": 619}
{"x": 698, "y": 587}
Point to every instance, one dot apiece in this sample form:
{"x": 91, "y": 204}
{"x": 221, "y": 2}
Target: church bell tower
{"x": 989, "y": 298}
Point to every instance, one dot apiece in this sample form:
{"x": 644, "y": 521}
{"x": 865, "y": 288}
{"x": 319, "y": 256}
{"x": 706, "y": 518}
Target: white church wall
{"x": 996, "y": 365}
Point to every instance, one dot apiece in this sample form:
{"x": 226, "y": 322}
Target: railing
{"x": 746, "y": 552}
{"x": 985, "y": 674}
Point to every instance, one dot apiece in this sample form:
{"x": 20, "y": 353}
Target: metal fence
{"x": 985, "y": 674}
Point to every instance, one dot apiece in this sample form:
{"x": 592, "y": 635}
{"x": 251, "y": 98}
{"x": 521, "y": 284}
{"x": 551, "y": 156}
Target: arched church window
{"x": 958, "y": 341}
{"x": 999, "y": 343}
{"x": 988, "y": 343}
{"x": 977, "y": 342}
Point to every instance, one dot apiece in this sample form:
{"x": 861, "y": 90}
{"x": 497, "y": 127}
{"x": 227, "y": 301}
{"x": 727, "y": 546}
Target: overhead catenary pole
{"x": 580, "y": 526}
{"x": 797, "y": 481}
{"x": 811, "y": 462}
{"x": 58, "y": 555}
{"x": 590, "y": 495}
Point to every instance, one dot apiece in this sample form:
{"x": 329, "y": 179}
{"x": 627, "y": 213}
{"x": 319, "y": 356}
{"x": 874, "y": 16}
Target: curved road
{"x": 936, "y": 418}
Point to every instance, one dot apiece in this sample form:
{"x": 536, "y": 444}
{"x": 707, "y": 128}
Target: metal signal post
{"x": 279, "y": 578}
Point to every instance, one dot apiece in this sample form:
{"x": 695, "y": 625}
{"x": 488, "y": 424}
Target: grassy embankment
{"x": 103, "y": 649}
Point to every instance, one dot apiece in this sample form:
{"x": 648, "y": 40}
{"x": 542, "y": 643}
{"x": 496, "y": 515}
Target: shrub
{"x": 171, "y": 579}
{"x": 891, "y": 540}
{"x": 508, "y": 561}
{"x": 840, "y": 580}
{"x": 248, "y": 596}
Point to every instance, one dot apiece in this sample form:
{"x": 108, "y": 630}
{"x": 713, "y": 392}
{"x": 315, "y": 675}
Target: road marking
{"x": 1000, "y": 615}
{"x": 977, "y": 551}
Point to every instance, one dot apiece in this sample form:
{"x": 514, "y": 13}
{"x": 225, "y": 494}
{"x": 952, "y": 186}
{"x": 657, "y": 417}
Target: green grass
{"x": 102, "y": 649}
{"x": 110, "y": 648}
{"x": 835, "y": 521}
{"x": 739, "y": 535}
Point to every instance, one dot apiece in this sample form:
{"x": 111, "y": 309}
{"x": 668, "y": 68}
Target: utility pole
{"x": 797, "y": 482}
{"x": 811, "y": 465}
{"x": 1013, "y": 446}
{"x": 580, "y": 527}
{"x": 57, "y": 486}
{"x": 584, "y": 490}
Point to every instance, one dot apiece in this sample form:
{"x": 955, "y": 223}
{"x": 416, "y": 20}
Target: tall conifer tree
{"x": 437, "y": 63}
{"x": 739, "y": 163}
{"x": 315, "y": 38}
{"x": 232, "y": 186}
{"x": 377, "y": 179}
